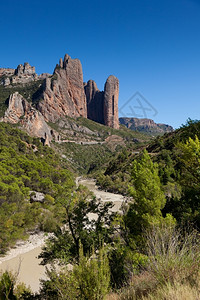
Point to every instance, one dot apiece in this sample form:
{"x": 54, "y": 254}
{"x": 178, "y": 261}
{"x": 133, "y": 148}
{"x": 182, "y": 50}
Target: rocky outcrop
{"x": 102, "y": 107}
{"x": 20, "y": 111}
{"x": 5, "y": 76}
{"x": 17, "y": 106}
{"x": 6, "y": 72}
{"x": 146, "y": 126}
{"x": 111, "y": 94}
{"x": 36, "y": 196}
{"x": 24, "y": 74}
{"x": 95, "y": 102}
{"x": 25, "y": 69}
{"x": 64, "y": 93}
{"x": 21, "y": 75}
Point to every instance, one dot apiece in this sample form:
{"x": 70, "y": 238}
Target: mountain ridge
{"x": 145, "y": 125}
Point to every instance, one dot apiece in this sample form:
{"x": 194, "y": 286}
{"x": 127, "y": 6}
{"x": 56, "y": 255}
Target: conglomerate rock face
{"x": 17, "y": 106}
{"x": 64, "y": 93}
{"x": 22, "y": 75}
{"x": 111, "y": 94}
{"x": 95, "y": 102}
{"x": 20, "y": 111}
{"x": 102, "y": 107}
{"x": 61, "y": 94}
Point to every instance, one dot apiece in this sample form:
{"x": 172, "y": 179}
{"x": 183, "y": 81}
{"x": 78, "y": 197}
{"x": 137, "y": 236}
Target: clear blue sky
{"x": 152, "y": 46}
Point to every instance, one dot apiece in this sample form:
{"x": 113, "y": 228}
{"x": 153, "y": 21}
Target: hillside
{"x": 147, "y": 126}
{"x": 116, "y": 174}
{"x": 87, "y": 145}
{"x": 32, "y": 176}
{"x": 37, "y": 192}
{"x": 160, "y": 181}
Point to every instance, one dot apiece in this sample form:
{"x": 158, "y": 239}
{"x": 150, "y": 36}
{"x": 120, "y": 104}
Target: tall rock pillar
{"x": 63, "y": 94}
{"x": 111, "y": 94}
{"x": 95, "y": 102}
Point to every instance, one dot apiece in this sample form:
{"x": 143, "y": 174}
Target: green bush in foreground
{"x": 89, "y": 279}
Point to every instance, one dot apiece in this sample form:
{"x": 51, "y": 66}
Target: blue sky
{"x": 152, "y": 46}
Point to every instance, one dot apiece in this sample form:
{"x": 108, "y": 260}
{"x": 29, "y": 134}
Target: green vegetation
{"x": 90, "y": 279}
{"x": 105, "y": 131}
{"x": 30, "y": 92}
{"x": 26, "y": 165}
{"x": 172, "y": 269}
{"x": 79, "y": 228}
{"x": 84, "y": 158}
{"x": 88, "y": 146}
{"x": 150, "y": 250}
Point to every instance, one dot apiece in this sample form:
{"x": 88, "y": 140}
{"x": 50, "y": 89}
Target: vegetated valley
{"x": 150, "y": 248}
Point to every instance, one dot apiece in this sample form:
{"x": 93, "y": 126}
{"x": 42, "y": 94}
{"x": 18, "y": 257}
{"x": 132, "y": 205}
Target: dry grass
{"x": 143, "y": 288}
{"x": 112, "y": 296}
{"x": 174, "y": 256}
{"x": 139, "y": 286}
{"x": 173, "y": 271}
{"x": 175, "y": 292}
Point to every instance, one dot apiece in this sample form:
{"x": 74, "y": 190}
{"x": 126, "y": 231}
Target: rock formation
{"x": 21, "y": 75}
{"x": 102, "y": 107}
{"x": 95, "y": 102}
{"x": 61, "y": 94}
{"x": 111, "y": 94}
{"x": 17, "y": 106}
{"x": 64, "y": 93}
{"x": 25, "y": 69}
{"x": 20, "y": 111}
{"x": 145, "y": 125}
{"x": 6, "y": 72}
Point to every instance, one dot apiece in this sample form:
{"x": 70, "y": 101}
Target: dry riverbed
{"x": 23, "y": 260}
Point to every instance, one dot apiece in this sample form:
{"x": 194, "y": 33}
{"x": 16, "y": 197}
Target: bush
{"x": 174, "y": 256}
{"x": 172, "y": 270}
{"x": 90, "y": 279}
{"x": 7, "y": 283}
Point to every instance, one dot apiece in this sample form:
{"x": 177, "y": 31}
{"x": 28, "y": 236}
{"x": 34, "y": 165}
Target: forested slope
{"x": 177, "y": 158}
{"x": 26, "y": 167}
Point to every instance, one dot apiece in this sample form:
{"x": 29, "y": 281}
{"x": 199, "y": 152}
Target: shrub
{"x": 174, "y": 256}
{"x": 7, "y": 283}
{"x": 90, "y": 279}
